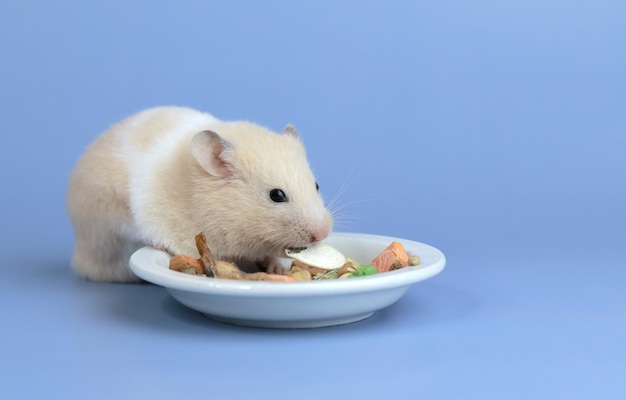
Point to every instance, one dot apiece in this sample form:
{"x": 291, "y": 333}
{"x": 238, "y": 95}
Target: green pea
{"x": 365, "y": 270}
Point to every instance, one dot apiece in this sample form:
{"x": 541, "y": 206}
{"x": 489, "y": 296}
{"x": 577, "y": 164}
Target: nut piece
{"x": 263, "y": 276}
{"x": 295, "y": 264}
{"x": 226, "y": 270}
{"x": 348, "y": 268}
{"x": 300, "y": 274}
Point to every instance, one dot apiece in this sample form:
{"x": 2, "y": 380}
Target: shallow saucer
{"x": 295, "y": 304}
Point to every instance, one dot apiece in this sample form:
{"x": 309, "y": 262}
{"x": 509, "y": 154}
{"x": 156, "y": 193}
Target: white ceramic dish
{"x": 294, "y": 304}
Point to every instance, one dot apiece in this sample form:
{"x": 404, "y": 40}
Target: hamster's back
{"x": 99, "y": 188}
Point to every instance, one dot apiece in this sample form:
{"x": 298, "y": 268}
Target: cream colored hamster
{"x": 165, "y": 174}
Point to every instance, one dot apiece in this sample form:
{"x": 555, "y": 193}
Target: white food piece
{"x": 319, "y": 255}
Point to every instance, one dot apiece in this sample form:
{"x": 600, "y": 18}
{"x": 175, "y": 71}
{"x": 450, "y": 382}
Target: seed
{"x": 319, "y": 255}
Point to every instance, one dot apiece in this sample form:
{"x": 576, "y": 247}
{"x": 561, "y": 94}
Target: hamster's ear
{"x": 291, "y": 131}
{"x": 211, "y": 151}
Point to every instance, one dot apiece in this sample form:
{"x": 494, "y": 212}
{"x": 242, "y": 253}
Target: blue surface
{"x": 495, "y": 132}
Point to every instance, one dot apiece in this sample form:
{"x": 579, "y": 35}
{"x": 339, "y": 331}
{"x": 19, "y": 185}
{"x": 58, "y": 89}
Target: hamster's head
{"x": 258, "y": 191}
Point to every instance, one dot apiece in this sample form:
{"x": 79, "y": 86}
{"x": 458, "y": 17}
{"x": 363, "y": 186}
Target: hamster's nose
{"x": 316, "y": 237}
{"x": 322, "y": 231}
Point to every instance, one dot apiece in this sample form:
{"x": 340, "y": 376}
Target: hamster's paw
{"x": 273, "y": 265}
{"x": 164, "y": 248}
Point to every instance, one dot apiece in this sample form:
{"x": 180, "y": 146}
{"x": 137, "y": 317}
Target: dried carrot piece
{"x": 391, "y": 256}
{"x": 401, "y": 254}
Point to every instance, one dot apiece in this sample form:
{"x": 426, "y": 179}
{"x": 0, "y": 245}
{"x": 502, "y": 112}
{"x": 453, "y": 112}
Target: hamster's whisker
{"x": 342, "y": 189}
{"x": 348, "y": 223}
{"x": 344, "y": 216}
{"x": 336, "y": 207}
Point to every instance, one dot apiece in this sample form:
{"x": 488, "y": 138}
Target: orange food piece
{"x": 185, "y": 263}
{"x": 394, "y": 253}
{"x": 262, "y": 276}
{"x": 400, "y": 253}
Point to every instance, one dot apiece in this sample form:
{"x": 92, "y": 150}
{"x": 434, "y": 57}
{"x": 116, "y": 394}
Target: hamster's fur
{"x": 165, "y": 174}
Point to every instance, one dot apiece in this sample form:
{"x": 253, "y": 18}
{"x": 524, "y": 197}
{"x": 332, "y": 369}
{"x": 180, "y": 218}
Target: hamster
{"x": 165, "y": 174}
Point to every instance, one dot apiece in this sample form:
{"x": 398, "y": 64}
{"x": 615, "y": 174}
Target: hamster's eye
{"x": 278, "y": 196}
{"x": 317, "y": 187}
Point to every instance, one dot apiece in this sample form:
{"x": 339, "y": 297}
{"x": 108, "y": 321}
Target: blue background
{"x": 495, "y": 131}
